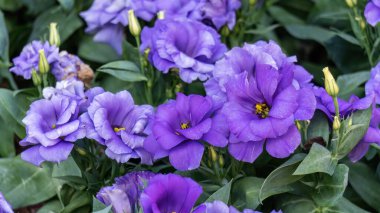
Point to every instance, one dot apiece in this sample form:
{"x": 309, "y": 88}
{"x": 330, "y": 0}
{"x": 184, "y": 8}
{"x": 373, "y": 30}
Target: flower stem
{"x": 336, "y": 105}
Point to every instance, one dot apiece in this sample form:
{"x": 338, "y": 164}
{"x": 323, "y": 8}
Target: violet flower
{"x": 125, "y": 193}
{"x": 373, "y": 84}
{"x": 107, "y": 19}
{"x": 219, "y": 207}
{"x": 262, "y": 108}
{"x": 170, "y": 193}
{"x": 193, "y": 50}
{"x": 372, "y": 12}
{"x": 179, "y": 128}
{"x": 220, "y": 12}
{"x": 68, "y": 66}
{"x": 52, "y": 127}
{"x": 115, "y": 121}
{"x": 178, "y": 8}
{"x": 29, "y": 57}
{"x": 4, "y": 205}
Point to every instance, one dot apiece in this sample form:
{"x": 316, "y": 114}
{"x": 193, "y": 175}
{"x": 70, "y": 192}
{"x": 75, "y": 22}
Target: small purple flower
{"x": 107, "y": 19}
{"x": 247, "y": 58}
{"x": 170, "y": 193}
{"x": 4, "y": 205}
{"x": 116, "y": 122}
{"x": 180, "y": 126}
{"x": 52, "y": 127}
{"x": 193, "y": 50}
{"x": 219, "y": 207}
{"x": 125, "y": 193}
{"x": 220, "y": 12}
{"x": 373, "y": 84}
{"x": 262, "y": 108}
{"x": 71, "y": 88}
{"x": 67, "y": 66}
{"x": 29, "y": 57}
{"x": 372, "y": 12}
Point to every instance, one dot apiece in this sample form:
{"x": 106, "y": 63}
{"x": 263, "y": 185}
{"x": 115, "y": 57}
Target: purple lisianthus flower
{"x": 372, "y": 12}
{"x": 373, "y": 84}
{"x": 52, "y": 127}
{"x": 116, "y": 122}
{"x": 247, "y": 58}
{"x": 178, "y": 8}
{"x": 193, "y": 50}
{"x": 220, "y": 12}
{"x": 4, "y": 205}
{"x": 219, "y": 207}
{"x": 180, "y": 126}
{"x": 29, "y": 57}
{"x": 262, "y": 108}
{"x": 125, "y": 193}
{"x": 170, "y": 193}
{"x": 66, "y": 67}
{"x": 70, "y": 88}
{"x": 107, "y": 19}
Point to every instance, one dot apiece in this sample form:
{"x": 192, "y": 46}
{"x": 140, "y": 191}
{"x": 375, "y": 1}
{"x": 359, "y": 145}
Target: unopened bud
{"x": 43, "y": 65}
{"x": 81, "y": 151}
{"x": 36, "y": 78}
{"x": 350, "y": 3}
{"x": 221, "y": 160}
{"x": 225, "y": 31}
{"x": 362, "y": 24}
{"x": 349, "y": 122}
{"x": 161, "y": 15}
{"x": 252, "y": 2}
{"x": 330, "y": 84}
{"x": 134, "y": 25}
{"x": 54, "y": 38}
{"x": 214, "y": 155}
{"x": 336, "y": 123}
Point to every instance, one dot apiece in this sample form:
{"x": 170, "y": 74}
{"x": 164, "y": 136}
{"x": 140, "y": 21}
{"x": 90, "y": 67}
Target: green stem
{"x": 45, "y": 81}
{"x": 336, "y": 105}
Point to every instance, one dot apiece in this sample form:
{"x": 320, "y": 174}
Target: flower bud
{"x": 54, "y": 38}
{"x": 252, "y": 2}
{"x": 350, "y": 3}
{"x": 225, "y": 31}
{"x": 134, "y": 25}
{"x": 161, "y": 15}
{"x": 214, "y": 155}
{"x": 36, "y": 78}
{"x": 330, "y": 84}
{"x": 221, "y": 160}
{"x": 43, "y": 64}
{"x": 336, "y": 123}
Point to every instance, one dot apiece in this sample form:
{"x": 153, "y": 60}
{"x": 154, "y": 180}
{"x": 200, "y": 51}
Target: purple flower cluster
{"x": 115, "y": 121}
{"x": 4, "y": 205}
{"x": 107, "y": 19}
{"x": 193, "y": 50}
{"x": 63, "y": 65}
{"x": 179, "y": 128}
{"x": 261, "y": 92}
{"x": 372, "y": 12}
{"x": 373, "y": 84}
{"x": 124, "y": 195}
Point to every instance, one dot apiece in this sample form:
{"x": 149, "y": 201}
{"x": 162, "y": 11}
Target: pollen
{"x": 262, "y": 110}
{"x": 117, "y": 129}
{"x": 54, "y": 126}
{"x": 185, "y": 125}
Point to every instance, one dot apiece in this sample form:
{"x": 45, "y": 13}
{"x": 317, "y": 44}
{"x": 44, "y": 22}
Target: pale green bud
{"x": 54, "y": 38}
{"x": 36, "y": 78}
{"x": 336, "y": 123}
{"x": 161, "y": 15}
{"x": 133, "y": 23}
{"x": 330, "y": 84}
{"x": 214, "y": 155}
{"x": 43, "y": 64}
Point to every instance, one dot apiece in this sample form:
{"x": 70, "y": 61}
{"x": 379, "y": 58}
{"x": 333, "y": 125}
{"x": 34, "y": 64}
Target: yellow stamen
{"x": 185, "y": 125}
{"x": 262, "y": 110}
{"x": 116, "y": 129}
{"x": 54, "y": 126}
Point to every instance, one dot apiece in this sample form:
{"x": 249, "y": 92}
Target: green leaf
{"x": 10, "y": 5}
{"x": 67, "y": 23}
{"x": 350, "y": 82}
{"x": 283, "y": 16}
{"x": 67, "y": 4}
{"x": 310, "y": 32}
{"x": 351, "y": 136}
{"x": 24, "y": 184}
{"x": 279, "y": 179}
{"x": 331, "y": 188}
{"x": 296, "y": 204}
{"x": 78, "y": 200}
{"x": 38, "y": 6}
{"x": 99, "y": 207}
{"x": 319, "y": 126}
{"x": 222, "y": 194}
{"x": 66, "y": 168}
{"x": 246, "y": 191}
{"x": 123, "y": 70}
{"x": 344, "y": 205}
{"x": 7, "y": 146}
{"x": 10, "y": 112}
{"x": 4, "y": 40}
{"x": 318, "y": 160}
{"x": 96, "y": 51}
{"x": 51, "y": 207}
{"x": 365, "y": 183}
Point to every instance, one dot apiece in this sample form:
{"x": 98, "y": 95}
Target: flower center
{"x": 118, "y": 129}
{"x": 262, "y": 110}
{"x": 54, "y": 126}
{"x": 185, "y": 125}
